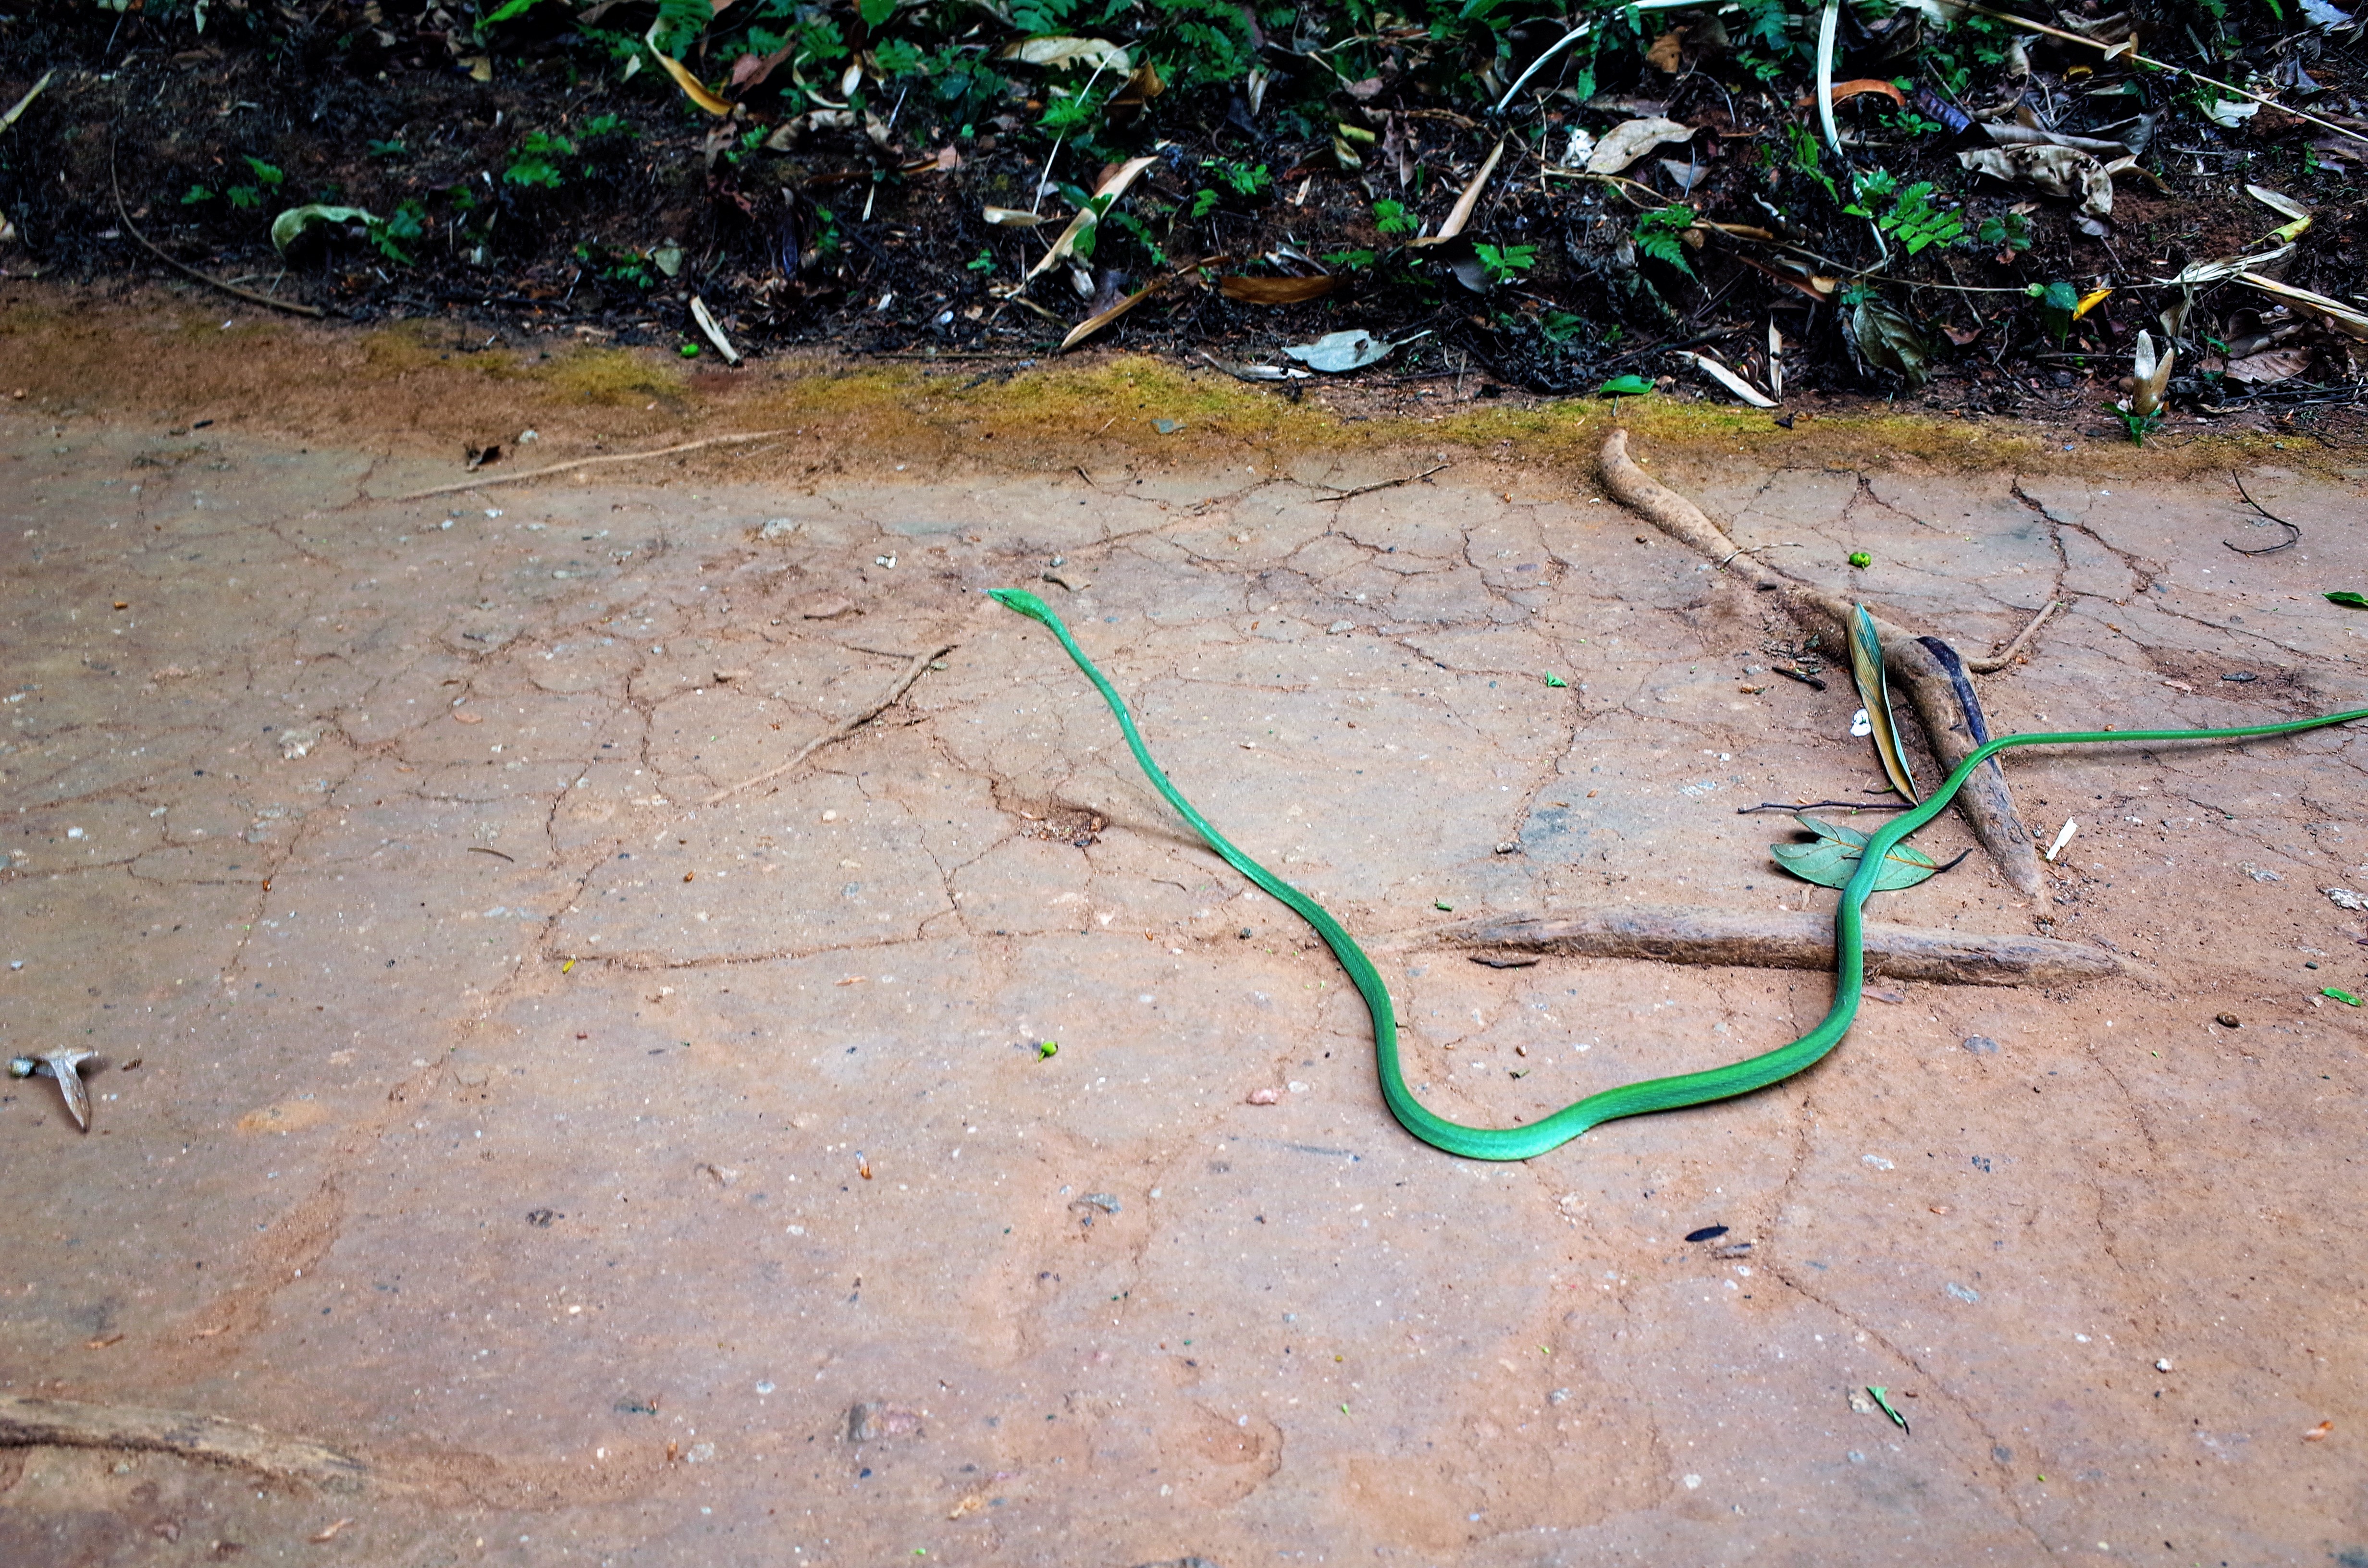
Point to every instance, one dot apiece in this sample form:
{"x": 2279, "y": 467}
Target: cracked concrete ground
{"x": 582, "y": 1157}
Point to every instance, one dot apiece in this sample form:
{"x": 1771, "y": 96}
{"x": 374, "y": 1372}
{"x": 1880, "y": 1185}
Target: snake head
{"x": 1023, "y": 601}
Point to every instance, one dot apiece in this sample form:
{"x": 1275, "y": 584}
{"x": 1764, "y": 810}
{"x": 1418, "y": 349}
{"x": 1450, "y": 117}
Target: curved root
{"x": 1986, "y": 802}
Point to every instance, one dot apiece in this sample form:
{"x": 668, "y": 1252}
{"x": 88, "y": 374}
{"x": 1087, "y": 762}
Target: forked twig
{"x": 843, "y": 728}
{"x": 1384, "y": 485}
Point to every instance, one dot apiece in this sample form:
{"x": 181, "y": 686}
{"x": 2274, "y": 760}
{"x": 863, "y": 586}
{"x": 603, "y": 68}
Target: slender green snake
{"x": 1653, "y": 1094}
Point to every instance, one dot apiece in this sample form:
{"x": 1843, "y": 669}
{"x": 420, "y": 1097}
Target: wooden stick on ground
{"x": 70, "y": 1423}
{"x": 839, "y": 730}
{"x": 1792, "y": 941}
{"x": 209, "y": 280}
{"x": 591, "y": 462}
{"x": 1988, "y": 805}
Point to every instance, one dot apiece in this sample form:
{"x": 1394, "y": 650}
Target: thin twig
{"x": 1814, "y": 805}
{"x": 2174, "y": 72}
{"x": 207, "y": 279}
{"x": 2294, "y": 530}
{"x": 589, "y": 462}
{"x": 2005, "y": 655}
{"x": 1385, "y": 484}
{"x": 845, "y": 727}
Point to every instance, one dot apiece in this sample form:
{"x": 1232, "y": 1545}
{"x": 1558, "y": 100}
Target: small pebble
{"x": 2226, "y": 1020}
{"x": 2163, "y": 1365}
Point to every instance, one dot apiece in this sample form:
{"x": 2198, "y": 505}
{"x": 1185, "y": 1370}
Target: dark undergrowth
{"x": 897, "y": 177}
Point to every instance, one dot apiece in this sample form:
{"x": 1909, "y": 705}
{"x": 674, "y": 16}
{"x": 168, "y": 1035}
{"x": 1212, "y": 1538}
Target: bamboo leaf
{"x": 1866, "y": 667}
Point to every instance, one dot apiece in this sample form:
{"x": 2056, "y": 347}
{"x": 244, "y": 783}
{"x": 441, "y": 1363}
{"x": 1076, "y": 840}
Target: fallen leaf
{"x": 464, "y": 717}
{"x": 291, "y": 226}
{"x": 1105, "y": 196}
{"x": 329, "y": 1531}
{"x": 968, "y": 1504}
{"x": 1961, "y": 336}
{"x": 1887, "y": 339}
{"x": 2336, "y": 314}
{"x": 2270, "y": 365}
{"x": 1626, "y": 142}
{"x": 2349, "y": 599}
{"x": 1866, "y": 669}
{"x": 691, "y": 85}
{"x": 2058, "y": 171}
{"x": 825, "y": 607}
{"x": 1728, "y": 379}
{"x": 1010, "y": 217}
{"x": 1462, "y": 214}
{"x": 1062, "y": 53}
{"x": 1276, "y": 290}
{"x": 1668, "y": 51}
{"x": 1352, "y": 351}
{"x": 1863, "y": 84}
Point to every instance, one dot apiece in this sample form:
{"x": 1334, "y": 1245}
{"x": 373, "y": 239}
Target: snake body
{"x": 1652, "y": 1094}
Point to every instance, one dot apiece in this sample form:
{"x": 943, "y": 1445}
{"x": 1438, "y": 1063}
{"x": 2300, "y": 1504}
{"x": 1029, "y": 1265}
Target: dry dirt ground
{"x": 620, "y": 1178}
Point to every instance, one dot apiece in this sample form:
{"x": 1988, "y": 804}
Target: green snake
{"x": 1653, "y": 1094}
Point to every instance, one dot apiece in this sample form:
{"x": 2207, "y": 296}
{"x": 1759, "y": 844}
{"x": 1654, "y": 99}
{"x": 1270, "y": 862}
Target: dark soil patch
{"x": 554, "y": 198}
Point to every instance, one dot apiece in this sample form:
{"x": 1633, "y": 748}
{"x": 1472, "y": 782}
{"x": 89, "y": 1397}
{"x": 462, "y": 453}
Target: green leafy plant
{"x": 535, "y": 161}
{"x": 1559, "y": 327}
{"x": 2006, "y": 231}
{"x": 266, "y": 177}
{"x": 983, "y": 262}
{"x": 1242, "y": 179}
{"x": 389, "y": 234}
{"x": 2057, "y": 301}
{"x": 1658, "y": 234}
{"x": 1348, "y": 260}
{"x": 1504, "y": 263}
{"x": 2140, "y": 425}
{"x": 1391, "y": 218}
{"x": 1625, "y": 386}
{"x": 1905, "y": 212}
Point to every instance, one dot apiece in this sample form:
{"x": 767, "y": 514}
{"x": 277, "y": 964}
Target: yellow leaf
{"x": 2089, "y": 302}
{"x": 689, "y": 84}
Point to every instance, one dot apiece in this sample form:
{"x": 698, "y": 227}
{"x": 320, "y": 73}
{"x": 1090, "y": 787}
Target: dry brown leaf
{"x": 1863, "y": 84}
{"x": 1113, "y": 187}
{"x": 1668, "y": 51}
{"x": 1624, "y": 144}
{"x": 1275, "y": 290}
{"x": 2270, "y": 365}
{"x": 1467, "y": 201}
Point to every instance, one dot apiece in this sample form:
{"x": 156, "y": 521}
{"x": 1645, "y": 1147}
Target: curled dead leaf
{"x": 1275, "y": 290}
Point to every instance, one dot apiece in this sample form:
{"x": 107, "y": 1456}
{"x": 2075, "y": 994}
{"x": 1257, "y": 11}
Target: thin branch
{"x": 205, "y": 278}
{"x": 2005, "y": 655}
{"x": 2294, "y": 530}
{"x": 1384, "y": 485}
{"x": 589, "y": 463}
{"x": 839, "y": 730}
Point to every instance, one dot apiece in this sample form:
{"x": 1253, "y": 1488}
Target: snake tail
{"x": 1684, "y": 1089}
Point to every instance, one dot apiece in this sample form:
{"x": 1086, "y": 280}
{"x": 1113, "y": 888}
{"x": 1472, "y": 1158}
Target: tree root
{"x": 1985, "y": 800}
{"x": 1791, "y": 941}
{"x": 70, "y": 1423}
